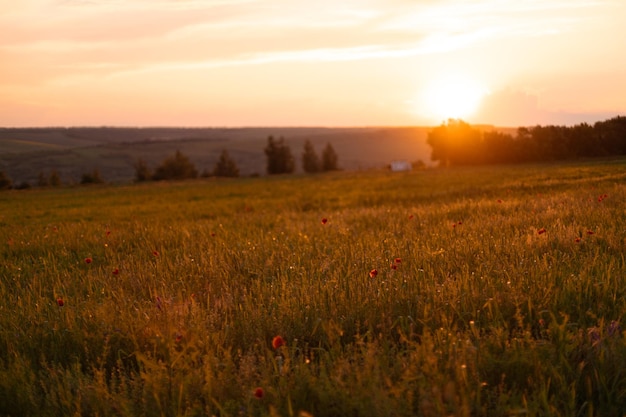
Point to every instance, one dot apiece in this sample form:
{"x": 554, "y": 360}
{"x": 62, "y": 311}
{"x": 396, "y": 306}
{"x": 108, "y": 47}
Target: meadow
{"x": 487, "y": 291}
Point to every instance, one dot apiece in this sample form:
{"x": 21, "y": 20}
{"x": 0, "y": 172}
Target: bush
{"x": 92, "y": 178}
{"x": 5, "y": 182}
{"x": 177, "y": 167}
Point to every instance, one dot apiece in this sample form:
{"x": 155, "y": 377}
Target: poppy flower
{"x": 116, "y": 271}
{"x": 499, "y": 201}
{"x": 590, "y": 232}
{"x": 411, "y": 217}
{"x": 577, "y": 240}
{"x": 541, "y": 231}
{"x": 179, "y": 338}
{"x": 277, "y": 342}
{"x": 258, "y": 393}
{"x": 398, "y": 260}
{"x": 394, "y": 266}
{"x": 88, "y": 260}
{"x": 155, "y": 253}
{"x": 60, "y": 302}
{"x": 373, "y": 273}
{"x": 324, "y": 220}
{"x": 108, "y": 232}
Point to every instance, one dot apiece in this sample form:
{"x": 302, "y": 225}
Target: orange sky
{"x": 323, "y": 63}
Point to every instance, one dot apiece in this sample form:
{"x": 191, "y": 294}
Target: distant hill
{"x": 25, "y": 152}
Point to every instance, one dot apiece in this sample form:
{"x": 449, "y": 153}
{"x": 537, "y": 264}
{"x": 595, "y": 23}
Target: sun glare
{"x": 448, "y": 97}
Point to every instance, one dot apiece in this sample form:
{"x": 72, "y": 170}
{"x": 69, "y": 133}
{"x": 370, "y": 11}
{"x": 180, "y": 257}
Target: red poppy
{"x": 277, "y": 342}
{"x": 116, "y": 271}
{"x": 499, "y": 201}
{"x": 88, "y": 260}
{"x": 590, "y": 232}
{"x": 179, "y": 338}
{"x": 259, "y": 393}
{"x": 373, "y": 273}
{"x": 60, "y": 302}
{"x": 108, "y": 232}
{"x": 394, "y": 266}
{"x": 155, "y": 253}
{"x": 541, "y": 231}
{"x": 410, "y": 217}
{"x": 398, "y": 260}
{"x": 324, "y": 220}
{"x": 577, "y": 240}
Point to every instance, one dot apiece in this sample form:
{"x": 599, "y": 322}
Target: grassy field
{"x": 24, "y": 153}
{"x": 468, "y": 292}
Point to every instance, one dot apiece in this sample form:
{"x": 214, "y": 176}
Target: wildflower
{"x": 590, "y": 232}
{"x": 277, "y": 342}
{"x": 259, "y": 393}
{"x": 60, "y": 302}
{"x": 179, "y": 338}
{"x": 577, "y": 240}
{"x": 393, "y": 266}
{"x": 541, "y": 231}
{"x": 155, "y": 253}
{"x": 499, "y": 201}
{"x": 411, "y": 217}
{"x": 398, "y": 260}
{"x": 88, "y": 260}
{"x": 324, "y": 220}
{"x": 116, "y": 271}
{"x": 614, "y": 328}
{"x": 108, "y": 232}
{"x": 373, "y": 273}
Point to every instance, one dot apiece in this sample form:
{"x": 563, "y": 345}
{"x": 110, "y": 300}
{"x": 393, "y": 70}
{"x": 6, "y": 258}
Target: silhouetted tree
{"x": 42, "y": 180}
{"x": 226, "y": 166}
{"x": 55, "y": 179}
{"x": 177, "y": 167}
{"x": 279, "y": 157}
{"x": 330, "y": 160}
{"x": 310, "y": 160}
{"x": 142, "y": 172}
{"x": 5, "y": 182}
{"x": 455, "y": 143}
{"x": 91, "y": 178}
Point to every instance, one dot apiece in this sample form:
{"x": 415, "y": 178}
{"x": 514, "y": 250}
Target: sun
{"x": 450, "y": 97}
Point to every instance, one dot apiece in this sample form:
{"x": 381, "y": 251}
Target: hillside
{"x": 24, "y": 153}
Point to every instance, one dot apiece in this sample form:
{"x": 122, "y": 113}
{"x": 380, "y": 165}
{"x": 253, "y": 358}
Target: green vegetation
{"x": 487, "y": 291}
{"x": 458, "y": 143}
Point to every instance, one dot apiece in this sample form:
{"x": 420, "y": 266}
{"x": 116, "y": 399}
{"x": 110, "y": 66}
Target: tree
{"x": 329, "y": 159}
{"x": 92, "y": 178}
{"x": 310, "y": 160}
{"x": 142, "y": 172}
{"x": 177, "y": 167}
{"x": 55, "y": 179}
{"x": 42, "y": 180}
{"x": 226, "y": 166}
{"x": 279, "y": 157}
{"x": 5, "y": 182}
{"x": 456, "y": 143}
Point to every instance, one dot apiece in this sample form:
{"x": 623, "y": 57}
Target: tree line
{"x": 280, "y": 160}
{"x": 458, "y": 143}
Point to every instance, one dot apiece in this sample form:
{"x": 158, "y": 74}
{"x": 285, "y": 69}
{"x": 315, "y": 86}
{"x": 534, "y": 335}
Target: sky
{"x": 237, "y": 63}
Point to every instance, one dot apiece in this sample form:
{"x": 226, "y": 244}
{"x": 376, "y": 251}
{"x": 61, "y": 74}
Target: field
{"x": 24, "y": 153}
{"x": 487, "y": 291}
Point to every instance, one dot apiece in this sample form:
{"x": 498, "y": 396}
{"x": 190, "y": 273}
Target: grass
{"x": 505, "y": 299}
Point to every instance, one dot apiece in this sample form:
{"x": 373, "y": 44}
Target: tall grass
{"x": 499, "y": 291}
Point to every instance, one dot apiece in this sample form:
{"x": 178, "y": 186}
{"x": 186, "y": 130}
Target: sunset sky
{"x": 303, "y": 63}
